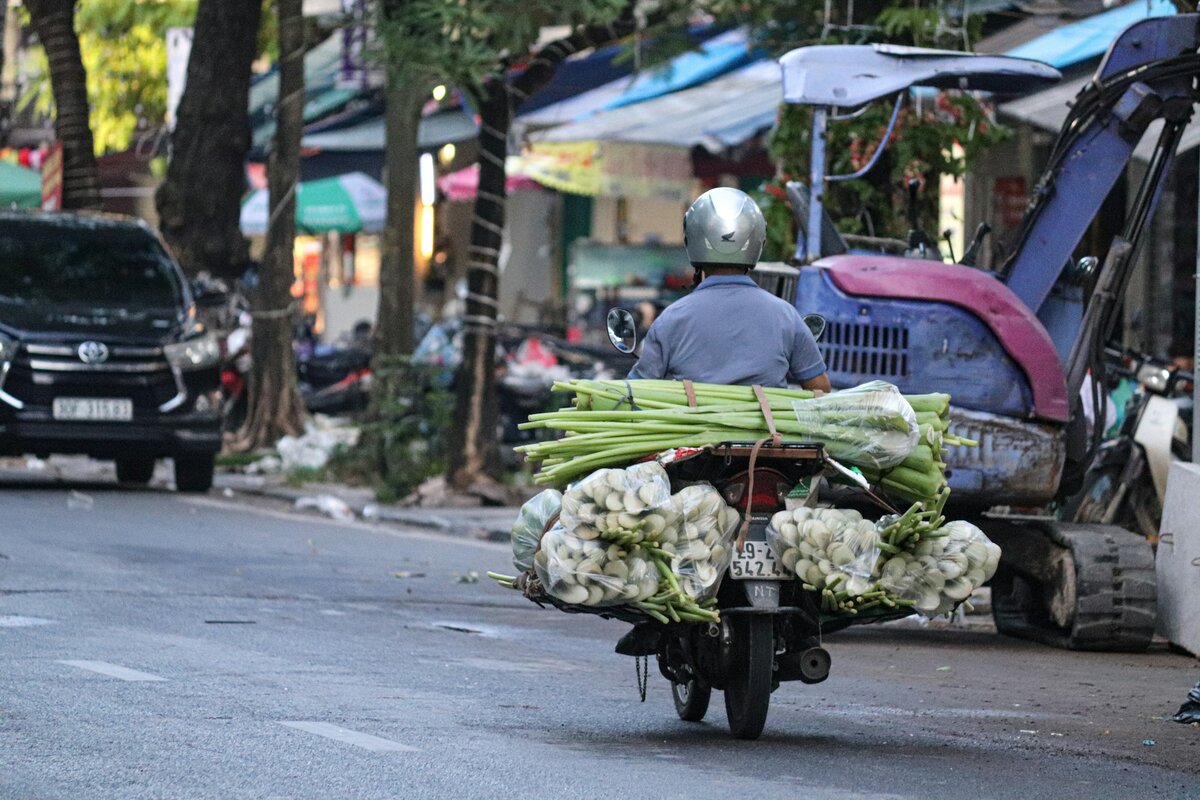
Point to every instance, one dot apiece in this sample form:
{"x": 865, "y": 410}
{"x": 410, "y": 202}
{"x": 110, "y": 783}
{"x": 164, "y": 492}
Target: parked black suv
{"x": 100, "y": 350}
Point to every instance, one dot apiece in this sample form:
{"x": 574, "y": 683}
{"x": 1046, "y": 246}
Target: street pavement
{"x": 155, "y": 645}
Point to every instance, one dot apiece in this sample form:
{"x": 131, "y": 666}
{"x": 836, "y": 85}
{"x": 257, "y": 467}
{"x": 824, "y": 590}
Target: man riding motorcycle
{"x": 728, "y": 330}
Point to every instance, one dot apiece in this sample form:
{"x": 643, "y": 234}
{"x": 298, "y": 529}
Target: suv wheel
{"x": 135, "y": 471}
{"x": 194, "y": 473}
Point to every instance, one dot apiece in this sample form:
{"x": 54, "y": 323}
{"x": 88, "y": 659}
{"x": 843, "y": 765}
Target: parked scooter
{"x": 235, "y": 374}
{"x": 770, "y": 629}
{"x": 336, "y": 380}
{"x": 1126, "y": 482}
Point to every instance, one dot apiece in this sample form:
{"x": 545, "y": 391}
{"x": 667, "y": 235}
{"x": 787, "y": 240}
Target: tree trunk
{"x": 275, "y": 408}
{"x": 54, "y": 22}
{"x": 397, "y": 280}
{"x": 199, "y": 203}
{"x": 474, "y": 448}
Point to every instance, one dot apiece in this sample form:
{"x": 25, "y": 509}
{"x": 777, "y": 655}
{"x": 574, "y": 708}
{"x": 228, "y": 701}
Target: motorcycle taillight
{"x": 770, "y": 490}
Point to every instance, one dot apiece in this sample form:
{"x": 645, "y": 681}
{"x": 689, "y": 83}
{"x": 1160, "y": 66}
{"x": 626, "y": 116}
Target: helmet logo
{"x": 93, "y": 352}
{"x": 728, "y": 237}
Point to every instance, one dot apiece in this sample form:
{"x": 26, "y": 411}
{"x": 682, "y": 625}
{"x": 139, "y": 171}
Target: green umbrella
{"x": 351, "y": 203}
{"x": 19, "y": 187}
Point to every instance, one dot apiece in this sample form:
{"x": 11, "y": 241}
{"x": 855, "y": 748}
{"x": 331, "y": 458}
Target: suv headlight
{"x": 8, "y": 348}
{"x": 194, "y": 353}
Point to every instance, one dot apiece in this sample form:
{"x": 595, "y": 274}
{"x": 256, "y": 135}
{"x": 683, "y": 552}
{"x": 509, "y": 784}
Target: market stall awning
{"x": 721, "y": 113}
{"x": 1089, "y": 38}
{"x": 1048, "y": 110}
{"x": 436, "y": 130}
{"x": 715, "y": 57}
{"x": 322, "y": 94}
{"x": 464, "y": 183}
{"x": 586, "y": 71}
{"x": 612, "y": 169}
{"x": 351, "y": 203}
{"x": 19, "y": 187}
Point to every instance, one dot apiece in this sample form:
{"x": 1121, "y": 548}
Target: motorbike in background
{"x": 1126, "y": 482}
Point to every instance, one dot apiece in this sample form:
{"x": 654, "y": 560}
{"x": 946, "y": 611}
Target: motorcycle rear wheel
{"x": 748, "y": 682}
{"x": 691, "y": 700}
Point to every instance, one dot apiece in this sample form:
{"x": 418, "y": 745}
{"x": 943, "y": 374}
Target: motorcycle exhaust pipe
{"x": 814, "y": 665}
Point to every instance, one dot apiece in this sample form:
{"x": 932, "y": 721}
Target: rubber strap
{"x": 745, "y": 529}
{"x": 629, "y": 397}
{"x": 765, "y": 406}
{"x": 689, "y": 389}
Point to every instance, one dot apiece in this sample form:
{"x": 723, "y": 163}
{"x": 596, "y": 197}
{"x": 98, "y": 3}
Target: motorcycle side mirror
{"x": 622, "y": 330}
{"x": 816, "y": 324}
{"x": 1085, "y": 269}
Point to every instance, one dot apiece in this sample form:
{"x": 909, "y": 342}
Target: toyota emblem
{"x": 93, "y": 352}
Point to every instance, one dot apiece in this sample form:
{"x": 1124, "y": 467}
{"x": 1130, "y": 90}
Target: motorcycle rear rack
{"x": 807, "y": 451}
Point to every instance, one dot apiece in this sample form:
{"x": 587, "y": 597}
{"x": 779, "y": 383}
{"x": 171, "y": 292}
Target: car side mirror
{"x": 816, "y": 324}
{"x": 622, "y": 330}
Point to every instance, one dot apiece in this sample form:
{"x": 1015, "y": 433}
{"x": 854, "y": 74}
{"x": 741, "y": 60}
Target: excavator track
{"x": 1099, "y": 595}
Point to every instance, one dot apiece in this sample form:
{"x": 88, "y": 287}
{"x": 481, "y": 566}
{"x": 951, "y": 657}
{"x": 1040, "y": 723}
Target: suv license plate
{"x": 757, "y": 562}
{"x": 92, "y": 409}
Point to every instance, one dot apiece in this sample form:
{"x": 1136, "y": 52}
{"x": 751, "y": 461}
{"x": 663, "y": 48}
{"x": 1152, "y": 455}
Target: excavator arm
{"x": 1148, "y": 75}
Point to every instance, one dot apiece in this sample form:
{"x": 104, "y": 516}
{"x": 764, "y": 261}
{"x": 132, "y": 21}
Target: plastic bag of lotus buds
{"x": 700, "y": 544}
{"x": 593, "y": 572}
{"x": 530, "y": 524}
{"x": 623, "y": 506}
{"x": 826, "y": 546}
{"x": 941, "y": 571}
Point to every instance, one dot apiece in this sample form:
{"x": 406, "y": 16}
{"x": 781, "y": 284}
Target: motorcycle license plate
{"x": 757, "y": 561}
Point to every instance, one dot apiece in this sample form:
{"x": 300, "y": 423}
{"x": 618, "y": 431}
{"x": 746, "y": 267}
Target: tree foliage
{"x": 462, "y": 43}
{"x": 935, "y": 135}
{"x": 123, "y": 43}
{"x": 124, "y": 47}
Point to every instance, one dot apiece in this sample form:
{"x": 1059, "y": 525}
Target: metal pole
{"x": 1196, "y": 346}
{"x": 816, "y": 186}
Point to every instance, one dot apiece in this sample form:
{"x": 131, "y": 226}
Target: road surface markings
{"x": 364, "y": 740}
{"x": 13, "y": 621}
{"x": 113, "y": 670}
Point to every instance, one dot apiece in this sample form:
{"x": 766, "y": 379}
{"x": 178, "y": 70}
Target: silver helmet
{"x": 724, "y": 226}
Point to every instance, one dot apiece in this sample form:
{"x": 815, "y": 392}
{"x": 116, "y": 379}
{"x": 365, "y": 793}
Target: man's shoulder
{"x": 767, "y": 301}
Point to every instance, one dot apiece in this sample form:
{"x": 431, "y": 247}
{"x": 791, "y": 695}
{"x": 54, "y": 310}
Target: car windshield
{"x": 92, "y": 267}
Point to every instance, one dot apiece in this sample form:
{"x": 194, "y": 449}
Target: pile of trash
{"x": 311, "y": 450}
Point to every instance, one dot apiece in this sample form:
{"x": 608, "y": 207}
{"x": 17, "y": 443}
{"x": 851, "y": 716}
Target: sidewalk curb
{"x": 370, "y": 511}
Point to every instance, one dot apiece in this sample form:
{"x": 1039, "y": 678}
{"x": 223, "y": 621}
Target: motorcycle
{"x": 235, "y": 374}
{"x": 770, "y": 630}
{"x": 1126, "y": 482}
{"x": 335, "y": 380}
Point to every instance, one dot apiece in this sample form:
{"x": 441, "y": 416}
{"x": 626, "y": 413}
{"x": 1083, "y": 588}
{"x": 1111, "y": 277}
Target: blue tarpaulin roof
{"x": 714, "y": 58}
{"x": 717, "y": 56}
{"x": 1089, "y": 38}
{"x": 715, "y": 115}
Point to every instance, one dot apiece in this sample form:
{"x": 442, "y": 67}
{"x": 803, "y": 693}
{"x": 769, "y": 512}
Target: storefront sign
{"x": 611, "y": 169}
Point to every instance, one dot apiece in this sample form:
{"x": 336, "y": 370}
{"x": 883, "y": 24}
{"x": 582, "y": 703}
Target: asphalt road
{"x": 158, "y": 646}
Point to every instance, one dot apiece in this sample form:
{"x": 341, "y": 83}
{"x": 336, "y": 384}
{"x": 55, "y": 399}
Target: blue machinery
{"x": 1012, "y": 346}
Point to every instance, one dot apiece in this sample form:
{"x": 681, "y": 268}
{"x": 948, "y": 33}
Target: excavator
{"x": 1012, "y": 345}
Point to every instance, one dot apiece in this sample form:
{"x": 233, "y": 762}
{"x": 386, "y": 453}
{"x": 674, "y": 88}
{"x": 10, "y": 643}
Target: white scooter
{"x": 1127, "y": 480}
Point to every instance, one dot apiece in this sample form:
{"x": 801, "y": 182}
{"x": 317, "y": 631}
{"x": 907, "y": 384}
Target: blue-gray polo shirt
{"x": 731, "y": 331}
